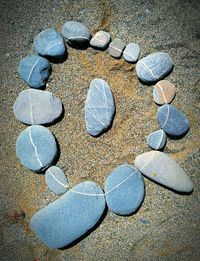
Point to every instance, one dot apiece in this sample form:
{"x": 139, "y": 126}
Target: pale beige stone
{"x": 100, "y": 40}
{"x": 164, "y": 92}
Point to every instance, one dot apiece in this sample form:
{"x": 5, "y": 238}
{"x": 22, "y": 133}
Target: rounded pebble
{"x": 50, "y": 43}
{"x": 163, "y": 92}
{"x": 76, "y": 34}
{"x": 157, "y": 139}
{"x": 34, "y": 70}
{"x": 154, "y": 67}
{"x": 124, "y": 190}
{"x": 37, "y": 107}
{"x": 56, "y": 180}
{"x": 116, "y": 48}
{"x": 172, "y": 121}
{"x": 131, "y": 52}
{"x": 36, "y": 148}
{"x": 100, "y": 40}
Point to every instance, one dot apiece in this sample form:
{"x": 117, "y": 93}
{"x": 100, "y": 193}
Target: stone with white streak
{"x": 163, "y": 92}
{"x": 131, "y": 52}
{"x": 157, "y": 139}
{"x": 100, "y": 40}
{"x": 164, "y": 170}
{"x": 116, "y": 48}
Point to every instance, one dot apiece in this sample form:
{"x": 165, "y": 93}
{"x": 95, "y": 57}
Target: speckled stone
{"x": 70, "y": 216}
{"x": 124, "y": 190}
{"x": 116, "y": 48}
{"x": 99, "y": 107}
{"x": 131, "y": 52}
{"x": 163, "y": 92}
{"x": 154, "y": 67}
{"x": 164, "y": 170}
{"x": 36, "y": 148}
{"x": 50, "y": 43}
{"x": 100, "y": 40}
{"x": 76, "y": 33}
{"x": 172, "y": 121}
{"x": 34, "y": 70}
{"x": 37, "y": 107}
{"x": 56, "y": 180}
{"x": 157, "y": 139}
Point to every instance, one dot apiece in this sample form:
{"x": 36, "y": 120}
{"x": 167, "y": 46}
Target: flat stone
{"x": 116, "y": 48}
{"x": 157, "y": 139}
{"x": 70, "y": 216}
{"x": 50, "y": 43}
{"x": 36, "y": 148}
{"x": 100, "y": 40}
{"x": 164, "y": 92}
{"x": 34, "y": 70}
{"x": 76, "y": 33}
{"x": 164, "y": 170}
{"x": 56, "y": 180}
{"x": 172, "y": 121}
{"x": 37, "y": 107}
{"x": 154, "y": 67}
{"x": 131, "y": 52}
{"x": 124, "y": 190}
{"x": 99, "y": 107}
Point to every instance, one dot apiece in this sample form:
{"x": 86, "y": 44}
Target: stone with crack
{"x": 163, "y": 92}
{"x": 116, "y": 48}
{"x": 157, "y": 139}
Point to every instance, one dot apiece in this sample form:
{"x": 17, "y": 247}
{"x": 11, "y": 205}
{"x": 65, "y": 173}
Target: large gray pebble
{"x": 154, "y": 67}
{"x": 131, "y": 52}
{"x": 99, "y": 107}
{"x": 37, "y": 107}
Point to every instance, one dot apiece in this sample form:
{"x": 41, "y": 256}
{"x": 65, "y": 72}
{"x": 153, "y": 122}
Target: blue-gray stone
{"x": 34, "y": 70}
{"x": 76, "y": 33}
{"x": 124, "y": 190}
{"x": 131, "y": 52}
{"x": 157, "y": 139}
{"x": 172, "y": 121}
{"x": 99, "y": 107}
{"x": 36, "y": 148}
{"x": 154, "y": 67}
{"x": 56, "y": 180}
{"x": 70, "y": 216}
{"x": 50, "y": 43}
{"x": 37, "y": 107}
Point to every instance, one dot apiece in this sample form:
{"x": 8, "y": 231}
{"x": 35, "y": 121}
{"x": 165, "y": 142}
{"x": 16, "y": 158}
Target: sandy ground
{"x": 167, "y": 225}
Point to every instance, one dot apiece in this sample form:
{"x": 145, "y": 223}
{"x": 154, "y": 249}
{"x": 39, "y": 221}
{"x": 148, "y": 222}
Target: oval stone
{"x": 76, "y": 33}
{"x": 70, "y": 216}
{"x": 157, "y": 139}
{"x": 164, "y": 170}
{"x": 172, "y": 121}
{"x": 99, "y": 107}
{"x": 163, "y": 92}
{"x": 124, "y": 190}
{"x": 34, "y": 70}
{"x": 36, "y": 148}
{"x": 116, "y": 48}
{"x": 131, "y": 52}
{"x": 154, "y": 67}
{"x": 100, "y": 40}
{"x": 50, "y": 43}
{"x": 37, "y": 107}
{"x": 56, "y": 180}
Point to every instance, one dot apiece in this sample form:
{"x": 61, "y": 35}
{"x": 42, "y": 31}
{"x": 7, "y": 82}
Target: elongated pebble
{"x": 154, "y": 67}
{"x": 163, "y": 92}
{"x": 131, "y": 52}
{"x": 100, "y": 40}
{"x": 164, "y": 170}
{"x": 172, "y": 121}
{"x": 56, "y": 180}
{"x": 124, "y": 190}
{"x": 37, "y": 107}
{"x": 34, "y": 70}
{"x": 116, "y": 48}
{"x": 36, "y": 148}
{"x": 69, "y": 217}
{"x": 99, "y": 107}
{"x": 76, "y": 33}
{"x": 50, "y": 43}
{"x": 157, "y": 139}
